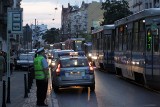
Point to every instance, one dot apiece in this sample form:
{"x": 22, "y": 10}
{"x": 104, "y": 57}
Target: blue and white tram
{"x": 137, "y": 48}
{"x": 103, "y": 47}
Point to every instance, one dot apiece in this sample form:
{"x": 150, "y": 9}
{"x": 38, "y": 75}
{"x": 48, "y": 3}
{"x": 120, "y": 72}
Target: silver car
{"x": 73, "y": 71}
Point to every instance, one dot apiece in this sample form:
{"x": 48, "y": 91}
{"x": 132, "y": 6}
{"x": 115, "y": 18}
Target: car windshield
{"x": 74, "y": 62}
{"x": 26, "y": 57}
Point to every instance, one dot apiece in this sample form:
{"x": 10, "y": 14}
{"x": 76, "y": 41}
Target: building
{"x": 76, "y": 21}
{"x": 4, "y": 4}
{"x": 138, "y": 5}
{"x": 94, "y": 18}
{"x": 37, "y": 32}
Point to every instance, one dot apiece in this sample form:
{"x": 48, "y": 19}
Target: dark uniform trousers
{"x": 42, "y": 86}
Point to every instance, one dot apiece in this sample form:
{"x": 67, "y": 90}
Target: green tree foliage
{"x": 51, "y": 36}
{"x": 114, "y": 11}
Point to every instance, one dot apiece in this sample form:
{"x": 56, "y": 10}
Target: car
{"x": 73, "y": 71}
{"x": 56, "y": 54}
{"x": 24, "y": 61}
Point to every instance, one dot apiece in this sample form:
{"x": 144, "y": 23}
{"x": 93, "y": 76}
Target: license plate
{"x": 74, "y": 74}
{"x": 24, "y": 66}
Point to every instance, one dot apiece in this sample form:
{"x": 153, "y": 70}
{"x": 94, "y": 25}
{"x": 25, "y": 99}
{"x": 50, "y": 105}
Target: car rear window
{"x": 26, "y": 57}
{"x": 74, "y": 62}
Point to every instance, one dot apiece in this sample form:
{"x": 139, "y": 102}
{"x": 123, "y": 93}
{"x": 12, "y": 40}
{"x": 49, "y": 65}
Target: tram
{"x": 59, "y": 45}
{"x": 75, "y": 44}
{"x": 103, "y": 47}
{"x": 137, "y": 48}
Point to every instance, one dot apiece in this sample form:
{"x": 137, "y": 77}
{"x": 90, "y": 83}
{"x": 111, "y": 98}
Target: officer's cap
{"x": 40, "y": 50}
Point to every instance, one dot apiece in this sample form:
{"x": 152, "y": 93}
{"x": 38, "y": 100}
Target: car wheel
{"x": 92, "y": 87}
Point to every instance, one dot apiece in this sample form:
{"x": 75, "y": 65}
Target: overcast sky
{"x": 44, "y": 11}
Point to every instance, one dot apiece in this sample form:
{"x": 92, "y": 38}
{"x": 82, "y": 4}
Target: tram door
{"x": 152, "y": 63}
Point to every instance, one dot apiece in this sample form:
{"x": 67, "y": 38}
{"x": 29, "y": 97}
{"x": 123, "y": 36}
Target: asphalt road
{"x": 110, "y": 91}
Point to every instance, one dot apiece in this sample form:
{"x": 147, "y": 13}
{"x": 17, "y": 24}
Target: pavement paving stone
{"x": 17, "y": 92}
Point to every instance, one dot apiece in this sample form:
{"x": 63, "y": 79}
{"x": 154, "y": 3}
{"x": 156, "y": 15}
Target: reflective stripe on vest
{"x": 39, "y": 74}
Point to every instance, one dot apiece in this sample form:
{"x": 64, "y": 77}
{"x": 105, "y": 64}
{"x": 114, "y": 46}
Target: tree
{"x": 51, "y": 36}
{"x": 115, "y": 10}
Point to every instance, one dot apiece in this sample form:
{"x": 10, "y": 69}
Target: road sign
{"x": 14, "y": 20}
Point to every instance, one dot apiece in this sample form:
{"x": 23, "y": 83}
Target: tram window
{"x": 142, "y": 36}
{"x": 105, "y": 43}
{"x": 156, "y": 46}
{"x": 135, "y": 37}
{"x": 116, "y": 39}
{"x": 108, "y": 42}
{"x": 121, "y": 30}
{"x": 142, "y": 41}
{"x": 135, "y": 42}
{"x": 130, "y": 41}
{"x": 125, "y": 39}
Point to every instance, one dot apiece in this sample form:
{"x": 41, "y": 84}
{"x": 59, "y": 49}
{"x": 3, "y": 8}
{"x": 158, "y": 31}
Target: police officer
{"x": 41, "y": 76}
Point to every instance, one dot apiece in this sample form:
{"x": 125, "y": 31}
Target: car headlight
{"x": 135, "y": 63}
{"x": 89, "y": 54}
{"x": 53, "y": 63}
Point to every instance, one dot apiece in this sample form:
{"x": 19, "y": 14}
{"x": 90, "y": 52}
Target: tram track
{"x": 138, "y": 84}
{"x": 131, "y": 81}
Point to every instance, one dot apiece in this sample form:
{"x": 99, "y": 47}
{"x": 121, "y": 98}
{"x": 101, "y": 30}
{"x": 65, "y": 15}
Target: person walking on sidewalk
{"x": 41, "y": 75}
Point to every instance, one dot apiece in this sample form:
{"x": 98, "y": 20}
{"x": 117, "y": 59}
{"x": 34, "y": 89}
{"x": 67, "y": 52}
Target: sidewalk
{"x": 17, "y": 92}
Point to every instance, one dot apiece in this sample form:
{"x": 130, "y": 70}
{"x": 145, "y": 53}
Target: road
{"x": 110, "y": 91}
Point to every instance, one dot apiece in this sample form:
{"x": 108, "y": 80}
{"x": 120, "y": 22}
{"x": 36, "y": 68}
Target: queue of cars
{"x": 68, "y": 68}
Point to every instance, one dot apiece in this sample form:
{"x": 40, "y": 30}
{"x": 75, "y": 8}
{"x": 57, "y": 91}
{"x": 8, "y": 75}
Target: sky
{"x": 44, "y": 11}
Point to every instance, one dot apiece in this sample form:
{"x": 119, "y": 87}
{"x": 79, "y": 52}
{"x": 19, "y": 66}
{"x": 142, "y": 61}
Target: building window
{"x": 150, "y": 5}
{"x": 146, "y": 5}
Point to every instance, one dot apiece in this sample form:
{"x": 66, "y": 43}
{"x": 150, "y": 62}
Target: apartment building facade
{"x": 4, "y": 5}
{"x": 79, "y": 20}
{"x": 138, "y": 5}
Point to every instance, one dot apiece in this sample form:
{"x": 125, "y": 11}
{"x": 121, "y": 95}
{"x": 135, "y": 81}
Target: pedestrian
{"x": 12, "y": 61}
{"x": 41, "y": 75}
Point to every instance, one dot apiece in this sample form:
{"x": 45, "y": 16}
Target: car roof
{"x": 26, "y": 54}
{"x": 72, "y": 57}
{"x": 61, "y": 51}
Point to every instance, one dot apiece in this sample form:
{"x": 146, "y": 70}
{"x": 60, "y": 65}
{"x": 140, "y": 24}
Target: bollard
{"x": 31, "y": 72}
{"x": 4, "y": 94}
{"x": 8, "y": 91}
{"x": 29, "y": 82}
{"x": 25, "y": 87}
{"x": 30, "y": 77}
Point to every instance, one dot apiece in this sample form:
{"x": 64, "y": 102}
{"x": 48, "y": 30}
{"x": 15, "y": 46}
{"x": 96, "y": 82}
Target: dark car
{"x": 73, "y": 71}
{"x": 56, "y": 55}
{"x": 24, "y": 61}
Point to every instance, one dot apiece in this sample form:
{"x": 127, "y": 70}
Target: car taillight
{"x": 91, "y": 69}
{"x": 58, "y": 69}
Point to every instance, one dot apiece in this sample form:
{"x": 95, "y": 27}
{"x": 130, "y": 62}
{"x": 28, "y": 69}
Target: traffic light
{"x": 149, "y": 40}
